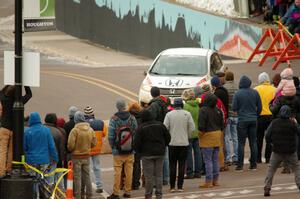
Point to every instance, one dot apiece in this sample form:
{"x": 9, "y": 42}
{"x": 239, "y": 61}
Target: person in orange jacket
{"x": 100, "y": 129}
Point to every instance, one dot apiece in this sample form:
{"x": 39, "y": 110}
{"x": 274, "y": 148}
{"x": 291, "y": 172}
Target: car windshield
{"x": 193, "y": 65}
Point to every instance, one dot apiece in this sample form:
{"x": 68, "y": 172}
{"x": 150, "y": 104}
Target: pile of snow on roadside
{"x": 223, "y": 7}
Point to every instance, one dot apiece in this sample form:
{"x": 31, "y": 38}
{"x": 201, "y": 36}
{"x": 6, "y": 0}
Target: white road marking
{"x": 210, "y": 194}
{"x": 254, "y": 195}
{"x": 193, "y": 196}
{"x": 292, "y": 187}
{"x": 227, "y": 193}
{"x": 277, "y": 188}
{"x": 217, "y": 192}
{"x": 177, "y": 197}
{"x": 246, "y": 191}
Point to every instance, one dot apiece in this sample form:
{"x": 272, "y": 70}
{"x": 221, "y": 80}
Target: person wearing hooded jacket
{"x": 247, "y": 104}
{"x": 297, "y": 85}
{"x": 194, "y": 157}
{"x": 181, "y": 125}
{"x": 158, "y": 108}
{"x": 121, "y": 118}
{"x": 283, "y": 133}
{"x": 81, "y": 139}
{"x": 39, "y": 146}
{"x": 210, "y": 125}
{"x": 7, "y": 99}
{"x": 69, "y": 125}
{"x": 150, "y": 143}
{"x": 267, "y": 93}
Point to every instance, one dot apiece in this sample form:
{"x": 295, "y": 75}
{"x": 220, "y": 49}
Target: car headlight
{"x": 146, "y": 85}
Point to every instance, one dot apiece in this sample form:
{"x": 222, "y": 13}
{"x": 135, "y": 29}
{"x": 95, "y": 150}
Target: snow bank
{"x": 223, "y": 7}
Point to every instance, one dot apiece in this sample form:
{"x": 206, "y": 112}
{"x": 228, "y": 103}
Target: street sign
{"x": 39, "y": 15}
{"x": 30, "y": 68}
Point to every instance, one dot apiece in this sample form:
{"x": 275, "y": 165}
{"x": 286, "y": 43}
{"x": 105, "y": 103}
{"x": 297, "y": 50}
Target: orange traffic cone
{"x": 69, "y": 191}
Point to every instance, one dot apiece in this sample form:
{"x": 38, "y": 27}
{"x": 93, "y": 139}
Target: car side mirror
{"x": 145, "y": 73}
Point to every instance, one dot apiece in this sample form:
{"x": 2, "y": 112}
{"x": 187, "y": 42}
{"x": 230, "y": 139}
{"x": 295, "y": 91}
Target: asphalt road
{"x": 63, "y": 85}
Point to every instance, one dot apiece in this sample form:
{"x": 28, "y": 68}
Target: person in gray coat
{"x": 181, "y": 126}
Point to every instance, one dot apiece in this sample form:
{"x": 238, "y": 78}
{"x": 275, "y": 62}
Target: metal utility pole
{"x": 18, "y": 109}
{"x": 18, "y": 185}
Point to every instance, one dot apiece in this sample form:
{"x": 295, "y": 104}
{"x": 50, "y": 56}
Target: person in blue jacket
{"x": 292, "y": 18}
{"x": 247, "y": 104}
{"x": 39, "y": 146}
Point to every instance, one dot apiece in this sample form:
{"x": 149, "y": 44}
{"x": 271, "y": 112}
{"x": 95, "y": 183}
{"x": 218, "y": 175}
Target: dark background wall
{"x": 130, "y": 34}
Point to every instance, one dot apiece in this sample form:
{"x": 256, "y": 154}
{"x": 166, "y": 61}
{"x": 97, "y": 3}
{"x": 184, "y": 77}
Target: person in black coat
{"x": 220, "y": 91}
{"x": 297, "y": 85}
{"x": 7, "y": 97}
{"x": 282, "y": 134}
{"x": 151, "y": 140}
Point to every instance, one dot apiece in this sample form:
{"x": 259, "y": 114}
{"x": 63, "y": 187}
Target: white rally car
{"x": 177, "y": 69}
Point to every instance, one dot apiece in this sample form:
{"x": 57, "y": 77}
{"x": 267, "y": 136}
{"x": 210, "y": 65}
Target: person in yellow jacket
{"x": 267, "y": 93}
{"x": 81, "y": 139}
{"x": 100, "y": 129}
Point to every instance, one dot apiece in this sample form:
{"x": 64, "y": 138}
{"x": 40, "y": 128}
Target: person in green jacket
{"x": 193, "y": 164}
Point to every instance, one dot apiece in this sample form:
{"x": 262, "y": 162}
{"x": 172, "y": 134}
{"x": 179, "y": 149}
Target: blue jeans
{"x": 95, "y": 167}
{"x": 247, "y": 129}
{"x": 231, "y": 135}
{"x": 166, "y": 171}
{"x": 193, "y": 165}
{"x": 45, "y": 169}
{"x": 211, "y": 160}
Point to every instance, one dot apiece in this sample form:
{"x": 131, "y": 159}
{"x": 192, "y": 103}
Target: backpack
{"x": 124, "y": 137}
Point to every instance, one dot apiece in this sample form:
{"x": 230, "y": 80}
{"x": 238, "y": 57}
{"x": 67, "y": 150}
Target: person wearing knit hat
{"x": 69, "y": 125}
{"x": 72, "y": 111}
{"x": 122, "y": 157}
{"x": 286, "y": 85}
{"x": 100, "y": 129}
{"x": 215, "y": 81}
{"x": 221, "y": 92}
{"x": 82, "y": 138}
{"x": 180, "y": 124}
{"x": 121, "y": 105}
{"x": 267, "y": 93}
{"x": 88, "y": 111}
{"x": 79, "y": 117}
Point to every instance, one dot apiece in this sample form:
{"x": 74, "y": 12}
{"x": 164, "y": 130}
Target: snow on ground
{"x": 223, "y": 7}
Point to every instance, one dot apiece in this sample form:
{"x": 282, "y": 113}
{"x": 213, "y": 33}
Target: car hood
{"x": 177, "y": 81}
